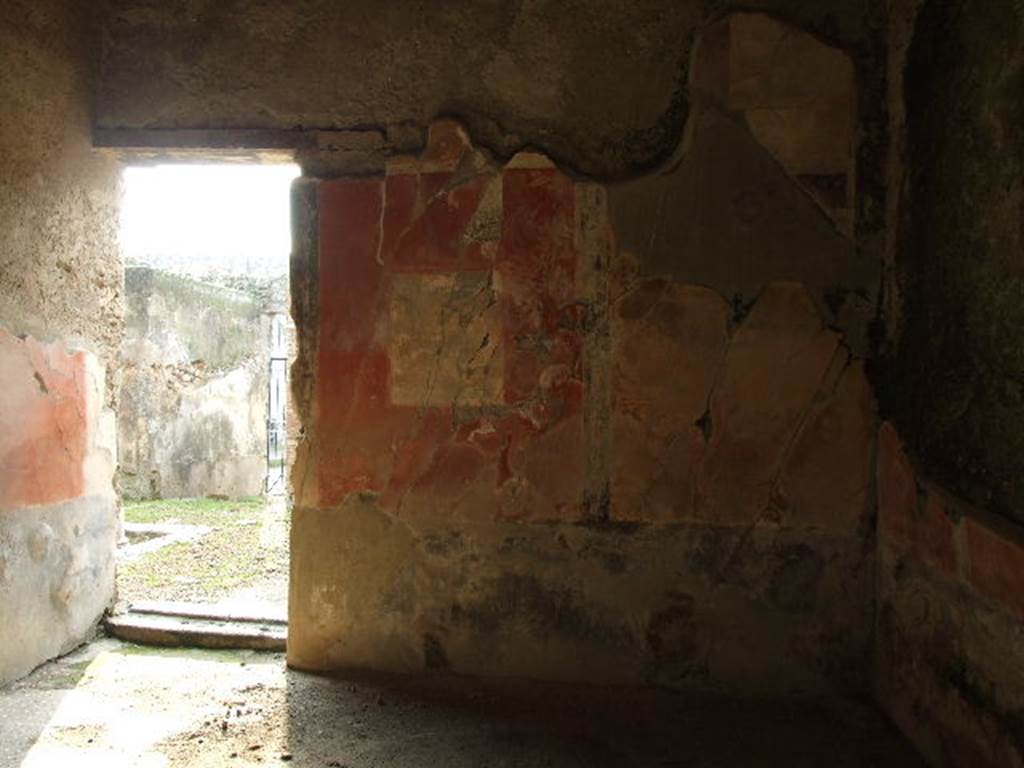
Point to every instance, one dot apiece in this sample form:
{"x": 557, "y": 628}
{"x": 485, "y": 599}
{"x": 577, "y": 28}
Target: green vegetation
{"x": 246, "y": 550}
{"x": 193, "y": 511}
{"x": 60, "y": 676}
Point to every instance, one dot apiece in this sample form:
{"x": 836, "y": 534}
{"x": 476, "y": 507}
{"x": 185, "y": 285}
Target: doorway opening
{"x": 204, "y": 428}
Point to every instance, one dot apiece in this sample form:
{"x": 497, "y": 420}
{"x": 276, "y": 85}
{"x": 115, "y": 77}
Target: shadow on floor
{"x": 456, "y": 722}
{"x": 136, "y": 706}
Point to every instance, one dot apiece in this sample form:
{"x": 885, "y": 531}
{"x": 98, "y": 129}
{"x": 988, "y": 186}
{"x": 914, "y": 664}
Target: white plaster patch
{"x": 445, "y": 340}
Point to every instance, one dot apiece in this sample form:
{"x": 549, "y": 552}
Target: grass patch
{"x": 59, "y": 676}
{"x": 247, "y": 547}
{"x": 192, "y": 511}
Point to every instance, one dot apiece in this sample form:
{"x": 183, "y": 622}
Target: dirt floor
{"x": 115, "y": 705}
{"x": 241, "y": 556}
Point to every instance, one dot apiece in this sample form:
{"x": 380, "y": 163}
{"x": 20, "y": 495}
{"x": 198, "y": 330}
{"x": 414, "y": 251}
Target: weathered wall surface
{"x": 951, "y": 563}
{"x": 958, "y": 356}
{"x": 528, "y": 455}
{"x": 60, "y": 321}
{"x": 60, "y": 271}
{"x": 58, "y": 512}
{"x": 770, "y": 147}
{"x": 696, "y": 381}
{"x": 599, "y": 85}
{"x": 950, "y": 662}
{"x": 551, "y": 427}
{"x": 193, "y": 409}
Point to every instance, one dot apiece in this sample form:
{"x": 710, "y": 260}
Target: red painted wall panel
{"x": 415, "y": 273}
{"x": 43, "y": 422}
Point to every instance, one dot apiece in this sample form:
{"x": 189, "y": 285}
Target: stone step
{"x": 168, "y": 629}
{"x": 251, "y": 611}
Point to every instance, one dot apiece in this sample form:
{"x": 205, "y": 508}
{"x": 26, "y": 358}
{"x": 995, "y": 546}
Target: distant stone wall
{"x": 192, "y": 420}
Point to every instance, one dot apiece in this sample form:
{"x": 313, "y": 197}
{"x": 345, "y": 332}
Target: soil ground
{"x": 244, "y": 557}
{"x": 115, "y": 705}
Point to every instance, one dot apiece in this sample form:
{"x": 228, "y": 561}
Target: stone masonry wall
{"x": 60, "y": 320}
{"x": 192, "y": 418}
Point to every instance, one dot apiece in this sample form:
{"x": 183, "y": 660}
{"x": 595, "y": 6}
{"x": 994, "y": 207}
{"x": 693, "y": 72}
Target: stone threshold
{"x": 199, "y": 626}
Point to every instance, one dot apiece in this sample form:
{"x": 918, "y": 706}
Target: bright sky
{"x": 231, "y": 219}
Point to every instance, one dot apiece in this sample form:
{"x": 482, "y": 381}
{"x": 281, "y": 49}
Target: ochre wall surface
{"x": 60, "y": 324}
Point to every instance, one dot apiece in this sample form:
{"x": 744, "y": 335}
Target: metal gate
{"x": 277, "y": 425}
